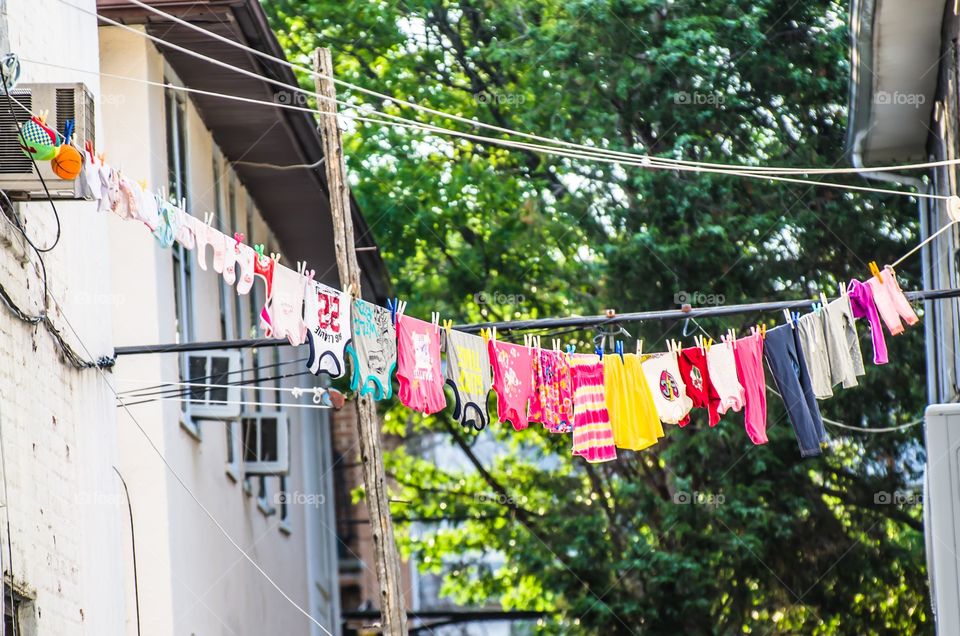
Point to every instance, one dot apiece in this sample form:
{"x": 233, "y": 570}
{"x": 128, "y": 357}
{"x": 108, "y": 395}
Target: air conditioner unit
{"x": 63, "y": 102}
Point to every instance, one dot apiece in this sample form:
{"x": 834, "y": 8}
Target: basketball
{"x": 67, "y": 163}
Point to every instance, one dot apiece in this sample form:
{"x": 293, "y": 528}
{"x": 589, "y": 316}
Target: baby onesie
{"x": 185, "y": 235}
{"x": 813, "y": 339}
{"x": 863, "y": 305}
{"x": 107, "y": 184}
{"x": 843, "y": 344}
{"x": 264, "y": 268}
{"x": 418, "y": 365}
{"x": 633, "y": 415}
{"x": 206, "y": 235}
{"x": 669, "y": 394}
{"x": 469, "y": 375}
{"x": 90, "y": 178}
{"x": 147, "y": 208}
{"x": 552, "y": 400}
{"x": 892, "y": 305}
{"x": 327, "y": 312}
{"x": 696, "y": 377}
{"x": 782, "y": 351}
{"x": 238, "y": 254}
{"x": 748, "y": 354}
{"x": 723, "y": 375}
{"x": 512, "y": 380}
{"x": 372, "y": 351}
{"x": 286, "y": 306}
{"x": 592, "y": 433}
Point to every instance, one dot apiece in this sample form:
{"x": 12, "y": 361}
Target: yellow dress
{"x": 633, "y": 415}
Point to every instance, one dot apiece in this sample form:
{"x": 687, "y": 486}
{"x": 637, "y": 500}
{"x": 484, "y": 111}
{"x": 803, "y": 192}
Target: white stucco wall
{"x": 58, "y": 424}
{"x": 195, "y": 580}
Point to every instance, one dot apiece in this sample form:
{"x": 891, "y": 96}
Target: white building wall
{"x": 57, "y": 423}
{"x": 197, "y": 582}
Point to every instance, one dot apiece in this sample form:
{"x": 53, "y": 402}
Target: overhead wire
{"x": 403, "y": 123}
{"x": 501, "y": 129}
{"x": 644, "y": 161}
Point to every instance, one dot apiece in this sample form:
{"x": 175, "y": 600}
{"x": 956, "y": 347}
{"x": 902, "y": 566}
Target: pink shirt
{"x": 512, "y": 380}
{"x": 418, "y": 365}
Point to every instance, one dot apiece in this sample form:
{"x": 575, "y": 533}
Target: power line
{"x": 476, "y": 123}
{"x": 644, "y": 161}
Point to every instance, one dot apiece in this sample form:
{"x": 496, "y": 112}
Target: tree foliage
{"x": 776, "y": 544}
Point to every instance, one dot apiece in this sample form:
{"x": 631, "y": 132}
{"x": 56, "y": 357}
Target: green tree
{"x": 478, "y": 232}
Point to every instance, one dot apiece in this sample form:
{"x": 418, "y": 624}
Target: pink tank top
{"x": 512, "y": 380}
{"x": 418, "y": 365}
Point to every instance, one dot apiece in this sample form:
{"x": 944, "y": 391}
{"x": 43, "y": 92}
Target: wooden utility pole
{"x": 392, "y": 610}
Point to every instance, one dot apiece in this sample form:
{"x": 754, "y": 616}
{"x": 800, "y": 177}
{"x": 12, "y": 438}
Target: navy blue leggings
{"x": 784, "y": 356}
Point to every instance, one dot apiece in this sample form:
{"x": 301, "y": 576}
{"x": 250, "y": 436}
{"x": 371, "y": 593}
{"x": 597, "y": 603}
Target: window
{"x": 213, "y": 369}
{"x": 176, "y": 132}
{"x": 265, "y": 444}
{"x": 232, "y": 428}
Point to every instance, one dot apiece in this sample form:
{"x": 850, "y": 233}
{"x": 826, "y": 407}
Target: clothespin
{"x": 309, "y": 273}
{"x": 447, "y": 325}
{"x": 875, "y": 270}
{"x": 483, "y": 332}
{"x": 763, "y": 331}
{"x": 275, "y": 256}
{"x": 352, "y": 291}
{"x": 599, "y": 351}
{"x": 318, "y": 394}
{"x": 208, "y": 218}
{"x": 556, "y": 344}
{"x": 639, "y": 347}
{"x": 789, "y": 319}
{"x": 571, "y": 349}
{"x": 392, "y": 306}
{"x": 618, "y": 348}
{"x": 435, "y": 319}
{"x": 143, "y": 184}
{"x": 401, "y": 307}
{"x": 493, "y": 333}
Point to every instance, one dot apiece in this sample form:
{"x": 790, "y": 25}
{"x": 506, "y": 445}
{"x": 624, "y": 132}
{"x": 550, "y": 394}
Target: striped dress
{"x": 592, "y": 433}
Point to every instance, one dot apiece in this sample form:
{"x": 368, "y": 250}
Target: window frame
{"x": 278, "y": 466}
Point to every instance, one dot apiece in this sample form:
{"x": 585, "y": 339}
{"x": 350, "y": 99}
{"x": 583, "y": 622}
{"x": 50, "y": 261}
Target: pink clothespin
{"x": 238, "y": 237}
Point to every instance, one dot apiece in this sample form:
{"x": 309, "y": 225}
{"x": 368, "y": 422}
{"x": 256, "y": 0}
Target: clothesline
{"x": 540, "y": 323}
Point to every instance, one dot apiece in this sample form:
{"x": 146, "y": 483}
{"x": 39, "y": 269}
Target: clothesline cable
{"x": 642, "y": 161}
{"x": 176, "y": 475}
{"x": 248, "y": 370}
{"x": 295, "y": 405}
{"x": 546, "y": 323}
{"x": 403, "y": 123}
{"x": 860, "y": 429}
{"x": 930, "y": 238}
{"x": 500, "y": 129}
{"x": 149, "y": 396}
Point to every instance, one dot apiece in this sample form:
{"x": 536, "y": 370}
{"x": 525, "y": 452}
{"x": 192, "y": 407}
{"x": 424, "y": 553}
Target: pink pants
{"x": 891, "y": 304}
{"x": 748, "y": 353}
